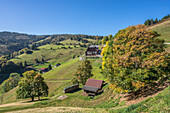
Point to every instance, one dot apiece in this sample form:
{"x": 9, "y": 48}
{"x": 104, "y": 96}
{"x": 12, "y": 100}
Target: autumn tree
{"x": 133, "y": 58}
{"x": 32, "y": 85}
{"x": 84, "y": 71}
{"x": 105, "y": 39}
{"x": 10, "y": 83}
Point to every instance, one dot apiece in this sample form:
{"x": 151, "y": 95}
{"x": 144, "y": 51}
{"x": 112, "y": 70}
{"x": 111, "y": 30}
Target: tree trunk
{"x": 38, "y": 98}
{"x": 32, "y": 98}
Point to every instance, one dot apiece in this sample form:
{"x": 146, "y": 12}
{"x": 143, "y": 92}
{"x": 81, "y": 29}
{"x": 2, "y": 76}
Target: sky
{"x": 90, "y": 17}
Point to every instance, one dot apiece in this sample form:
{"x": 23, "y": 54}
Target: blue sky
{"x": 92, "y": 17}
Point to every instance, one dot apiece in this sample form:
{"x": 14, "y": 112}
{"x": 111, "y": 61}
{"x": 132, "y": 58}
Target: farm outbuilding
{"x": 92, "y": 86}
{"x": 71, "y": 88}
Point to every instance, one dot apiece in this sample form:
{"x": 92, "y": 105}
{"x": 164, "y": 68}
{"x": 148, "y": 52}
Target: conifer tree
{"x": 42, "y": 60}
{"x": 49, "y": 67}
{"x": 25, "y": 63}
{"x": 84, "y": 71}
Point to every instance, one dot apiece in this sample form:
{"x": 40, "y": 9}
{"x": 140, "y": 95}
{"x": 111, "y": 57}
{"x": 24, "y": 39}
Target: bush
{"x": 10, "y": 83}
{"x": 28, "y": 51}
{"x": 73, "y": 56}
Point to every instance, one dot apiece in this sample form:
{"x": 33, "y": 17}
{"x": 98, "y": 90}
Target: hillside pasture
{"x": 163, "y": 29}
{"x": 52, "y": 54}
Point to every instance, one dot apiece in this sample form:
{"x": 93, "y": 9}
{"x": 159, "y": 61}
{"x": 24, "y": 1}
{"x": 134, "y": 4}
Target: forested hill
{"x": 11, "y": 41}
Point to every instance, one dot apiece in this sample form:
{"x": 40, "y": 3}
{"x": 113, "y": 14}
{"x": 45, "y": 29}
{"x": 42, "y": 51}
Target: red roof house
{"x": 92, "y": 86}
{"x": 94, "y": 83}
{"x": 44, "y": 70}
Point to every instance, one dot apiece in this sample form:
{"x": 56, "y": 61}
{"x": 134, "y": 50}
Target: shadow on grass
{"x": 16, "y": 58}
{"x": 36, "y": 100}
{"x": 75, "y": 90}
{"x": 148, "y": 90}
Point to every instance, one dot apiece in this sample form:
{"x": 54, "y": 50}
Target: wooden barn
{"x": 93, "y": 87}
{"x": 92, "y": 50}
{"x": 43, "y": 70}
{"x": 71, "y": 88}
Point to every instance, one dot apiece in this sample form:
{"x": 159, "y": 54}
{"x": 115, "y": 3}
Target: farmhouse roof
{"x": 43, "y": 68}
{"x": 71, "y": 86}
{"x": 94, "y": 46}
{"x": 89, "y": 88}
{"x": 94, "y": 83}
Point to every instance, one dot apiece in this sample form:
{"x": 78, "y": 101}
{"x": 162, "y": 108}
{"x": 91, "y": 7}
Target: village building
{"x": 93, "y": 87}
{"x": 43, "y": 70}
{"x": 92, "y": 50}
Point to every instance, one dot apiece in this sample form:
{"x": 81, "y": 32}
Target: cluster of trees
{"x": 106, "y": 38}
{"x": 134, "y": 58}
{"x": 4, "y": 58}
{"x": 9, "y": 66}
{"x": 10, "y": 83}
{"x": 165, "y": 17}
{"x": 32, "y": 85}
{"x": 36, "y": 60}
{"x": 152, "y": 21}
{"x": 84, "y": 71}
{"x": 81, "y": 38}
{"x": 12, "y": 41}
{"x": 26, "y": 51}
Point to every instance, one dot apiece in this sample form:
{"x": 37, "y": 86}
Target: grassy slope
{"x": 57, "y": 83}
{"x": 52, "y": 56}
{"x": 157, "y": 104}
{"x": 163, "y": 29}
{"x": 59, "y": 75}
{"x": 64, "y": 71}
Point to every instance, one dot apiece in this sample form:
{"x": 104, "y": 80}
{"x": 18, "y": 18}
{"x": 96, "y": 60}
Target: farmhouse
{"x": 92, "y": 86}
{"x": 92, "y": 50}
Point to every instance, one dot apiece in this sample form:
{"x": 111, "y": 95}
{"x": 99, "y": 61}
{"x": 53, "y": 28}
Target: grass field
{"x": 60, "y": 77}
{"x": 64, "y": 71}
{"x": 51, "y": 56}
{"x": 156, "y": 104}
{"x": 163, "y": 29}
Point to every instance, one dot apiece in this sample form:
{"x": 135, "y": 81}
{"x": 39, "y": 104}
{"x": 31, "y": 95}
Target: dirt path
{"x": 62, "y": 110}
{"x": 21, "y": 103}
{"x": 52, "y": 110}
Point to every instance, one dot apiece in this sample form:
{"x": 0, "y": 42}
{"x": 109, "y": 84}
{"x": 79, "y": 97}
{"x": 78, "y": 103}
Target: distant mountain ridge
{"x": 12, "y": 41}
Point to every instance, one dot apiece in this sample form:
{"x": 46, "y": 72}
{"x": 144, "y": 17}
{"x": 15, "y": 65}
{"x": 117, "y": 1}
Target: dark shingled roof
{"x": 71, "y": 86}
{"x": 94, "y": 83}
{"x": 91, "y": 89}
